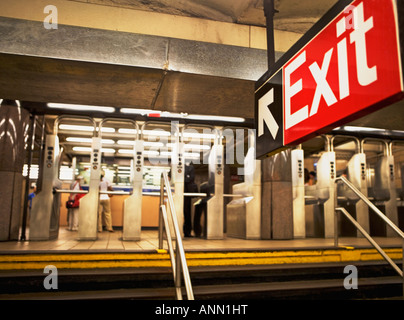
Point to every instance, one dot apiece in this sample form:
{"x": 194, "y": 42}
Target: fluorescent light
{"x": 84, "y": 128}
{"x": 147, "y": 152}
{"x": 153, "y": 144}
{"x": 82, "y": 149}
{"x": 145, "y": 143}
{"x": 88, "y": 149}
{"x": 166, "y": 114}
{"x": 359, "y": 129}
{"x": 79, "y": 107}
{"x": 149, "y": 112}
{"x": 128, "y": 131}
{"x": 156, "y": 132}
{"x": 126, "y": 142}
{"x": 137, "y": 111}
{"x": 214, "y": 118}
{"x": 82, "y": 140}
{"x": 88, "y": 140}
{"x": 107, "y": 150}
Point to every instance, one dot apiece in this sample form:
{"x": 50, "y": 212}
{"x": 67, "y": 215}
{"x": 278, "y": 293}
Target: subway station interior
{"x": 158, "y": 98}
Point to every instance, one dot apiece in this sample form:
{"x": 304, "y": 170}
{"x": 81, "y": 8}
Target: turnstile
{"x": 356, "y": 174}
{"x": 132, "y": 207}
{"x": 298, "y": 190}
{"x": 214, "y": 214}
{"x": 44, "y": 218}
{"x": 383, "y": 191}
{"x": 324, "y": 222}
{"x": 177, "y": 176}
{"x": 88, "y": 209}
{"x": 244, "y": 214}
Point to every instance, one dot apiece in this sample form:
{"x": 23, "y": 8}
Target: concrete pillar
{"x": 277, "y": 197}
{"x": 14, "y": 125}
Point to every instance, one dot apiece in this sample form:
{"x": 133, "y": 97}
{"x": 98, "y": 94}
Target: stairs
{"x": 376, "y": 280}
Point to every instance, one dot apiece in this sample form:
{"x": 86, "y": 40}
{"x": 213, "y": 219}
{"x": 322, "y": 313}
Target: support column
{"x": 14, "y": 123}
{"x": 277, "y": 197}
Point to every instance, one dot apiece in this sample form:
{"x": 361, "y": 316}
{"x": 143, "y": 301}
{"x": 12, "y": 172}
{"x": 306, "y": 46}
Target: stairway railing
{"x": 177, "y": 254}
{"x": 363, "y": 231}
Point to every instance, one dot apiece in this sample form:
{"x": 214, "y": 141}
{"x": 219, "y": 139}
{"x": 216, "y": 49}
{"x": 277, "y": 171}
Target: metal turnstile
{"x": 44, "y": 218}
{"x": 132, "y": 206}
{"x": 88, "y": 209}
{"x": 214, "y": 214}
{"x": 383, "y": 191}
{"x": 356, "y": 174}
{"x": 324, "y": 193}
{"x": 177, "y": 175}
{"x": 244, "y": 214}
{"x": 298, "y": 190}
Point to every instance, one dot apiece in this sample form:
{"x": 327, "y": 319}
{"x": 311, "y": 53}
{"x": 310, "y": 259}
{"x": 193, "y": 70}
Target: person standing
{"x": 105, "y": 205}
{"x": 73, "y": 213}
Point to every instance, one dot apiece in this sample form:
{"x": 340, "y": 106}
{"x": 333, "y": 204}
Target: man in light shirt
{"x": 105, "y": 205}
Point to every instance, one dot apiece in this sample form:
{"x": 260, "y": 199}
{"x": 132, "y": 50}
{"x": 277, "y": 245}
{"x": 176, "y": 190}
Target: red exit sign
{"x": 350, "y": 67}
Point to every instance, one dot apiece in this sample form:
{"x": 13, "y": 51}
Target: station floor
{"x": 112, "y": 242}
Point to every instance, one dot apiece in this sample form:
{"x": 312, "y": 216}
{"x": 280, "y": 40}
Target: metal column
{"x": 177, "y": 174}
{"x": 244, "y": 214}
{"x": 88, "y": 210}
{"x": 132, "y": 214}
{"x": 299, "y": 209}
{"x": 325, "y": 190}
{"x": 43, "y": 202}
{"x": 214, "y": 228}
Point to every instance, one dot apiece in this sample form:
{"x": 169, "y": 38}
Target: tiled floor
{"x": 112, "y": 242}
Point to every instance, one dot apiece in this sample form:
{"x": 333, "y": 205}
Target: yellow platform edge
{"x": 33, "y": 261}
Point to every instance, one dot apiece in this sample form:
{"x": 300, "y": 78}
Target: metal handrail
{"x": 370, "y": 239}
{"x": 371, "y": 205}
{"x": 180, "y": 261}
{"x": 363, "y": 231}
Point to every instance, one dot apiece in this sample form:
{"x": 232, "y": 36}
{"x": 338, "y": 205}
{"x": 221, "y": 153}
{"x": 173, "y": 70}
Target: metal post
{"x": 269, "y": 10}
{"x": 31, "y": 140}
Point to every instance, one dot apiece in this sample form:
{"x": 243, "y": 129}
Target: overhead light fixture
{"x": 88, "y": 149}
{"x": 214, "y": 118}
{"x": 84, "y": 128}
{"x": 359, "y": 129}
{"x": 146, "y": 152}
{"x": 145, "y": 143}
{"x": 155, "y": 132}
{"x": 79, "y": 107}
{"x": 88, "y": 140}
{"x": 142, "y": 112}
{"x": 167, "y": 114}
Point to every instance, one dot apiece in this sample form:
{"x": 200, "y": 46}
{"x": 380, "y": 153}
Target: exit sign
{"x": 348, "y": 65}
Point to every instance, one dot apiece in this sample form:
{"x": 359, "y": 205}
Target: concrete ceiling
{"x": 294, "y": 15}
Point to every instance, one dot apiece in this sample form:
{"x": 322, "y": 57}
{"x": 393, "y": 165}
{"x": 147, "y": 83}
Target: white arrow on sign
{"x": 265, "y": 115}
